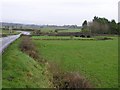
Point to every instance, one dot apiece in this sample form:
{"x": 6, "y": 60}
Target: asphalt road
{"x": 5, "y": 41}
{"x": 25, "y": 32}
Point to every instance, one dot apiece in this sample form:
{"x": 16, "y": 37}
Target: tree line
{"x": 101, "y": 26}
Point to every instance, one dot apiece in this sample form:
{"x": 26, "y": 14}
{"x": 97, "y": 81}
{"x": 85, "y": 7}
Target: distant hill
{"x": 18, "y": 25}
{"x": 33, "y": 26}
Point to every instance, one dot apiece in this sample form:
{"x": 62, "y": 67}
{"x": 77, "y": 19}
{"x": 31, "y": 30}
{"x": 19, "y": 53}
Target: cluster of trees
{"x": 101, "y": 26}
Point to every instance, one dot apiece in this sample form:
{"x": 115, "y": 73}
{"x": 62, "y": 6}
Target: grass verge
{"x": 21, "y": 71}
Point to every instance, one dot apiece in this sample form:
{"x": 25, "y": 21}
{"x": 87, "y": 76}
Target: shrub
{"x": 70, "y": 80}
{"x": 88, "y": 36}
{"x": 76, "y": 35}
{"x": 27, "y": 47}
{"x": 105, "y": 38}
{"x": 65, "y": 80}
{"x": 82, "y": 36}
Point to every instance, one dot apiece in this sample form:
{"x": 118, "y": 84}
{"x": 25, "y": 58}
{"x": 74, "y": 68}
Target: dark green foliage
{"x": 118, "y": 30}
{"x": 102, "y": 26}
{"x": 85, "y": 28}
{"x": 99, "y": 25}
{"x": 84, "y": 25}
{"x": 113, "y": 27}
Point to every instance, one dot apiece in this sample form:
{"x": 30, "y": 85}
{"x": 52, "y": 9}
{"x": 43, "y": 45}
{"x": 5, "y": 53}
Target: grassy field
{"x": 60, "y": 38}
{"x": 52, "y": 29}
{"x": 47, "y": 29}
{"x": 71, "y": 30}
{"x": 7, "y": 32}
{"x": 96, "y": 60}
{"x": 21, "y": 71}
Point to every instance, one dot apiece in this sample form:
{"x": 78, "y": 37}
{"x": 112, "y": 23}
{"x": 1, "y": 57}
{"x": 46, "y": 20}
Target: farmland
{"x": 52, "y": 29}
{"x": 60, "y": 44}
{"x": 94, "y": 58}
{"x": 60, "y": 38}
{"x": 97, "y": 60}
{"x": 7, "y": 32}
{"x": 71, "y": 30}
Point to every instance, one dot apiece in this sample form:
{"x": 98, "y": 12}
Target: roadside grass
{"x": 21, "y": 71}
{"x": 97, "y": 60}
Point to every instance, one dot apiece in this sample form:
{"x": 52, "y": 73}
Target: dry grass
{"x": 70, "y": 80}
{"x": 64, "y": 80}
{"x": 27, "y": 47}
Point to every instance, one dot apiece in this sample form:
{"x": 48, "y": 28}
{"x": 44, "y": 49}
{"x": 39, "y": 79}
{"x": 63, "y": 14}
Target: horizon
{"x": 53, "y": 24}
{"x": 60, "y": 12}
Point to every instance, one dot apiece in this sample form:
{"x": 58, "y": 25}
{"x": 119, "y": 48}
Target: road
{"x": 5, "y": 41}
{"x": 25, "y": 32}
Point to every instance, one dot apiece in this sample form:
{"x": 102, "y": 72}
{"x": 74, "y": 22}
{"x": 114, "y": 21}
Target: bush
{"x": 105, "y": 38}
{"x": 76, "y": 35}
{"x": 82, "y": 36}
{"x": 88, "y": 36}
{"x": 27, "y": 47}
{"x": 65, "y": 80}
{"x": 70, "y": 80}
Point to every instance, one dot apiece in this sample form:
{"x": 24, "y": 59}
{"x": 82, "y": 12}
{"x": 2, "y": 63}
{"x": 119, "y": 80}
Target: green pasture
{"x": 52, "y": 29}
{"x": 60, "y": 38}
{"x": 97, "y": 60}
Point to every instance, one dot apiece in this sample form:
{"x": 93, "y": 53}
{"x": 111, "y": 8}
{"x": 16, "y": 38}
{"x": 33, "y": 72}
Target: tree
{"x": 84, "y": 25}
{"x": 99, "y": 25}
{"x": 113, "y": 27}
{"x": 118, "y": 28}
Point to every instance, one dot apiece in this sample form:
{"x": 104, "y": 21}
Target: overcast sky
{"x": 57, "y": 12}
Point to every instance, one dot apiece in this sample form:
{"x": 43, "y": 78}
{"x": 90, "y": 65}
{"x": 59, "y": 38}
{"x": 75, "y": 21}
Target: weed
{"x": 27, "y": 47}
{"x": 64, "y": 80}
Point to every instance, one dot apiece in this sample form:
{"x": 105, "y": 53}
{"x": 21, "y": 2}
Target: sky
{"x": 58, "y": 12}
{"x": 119, "y": 11}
